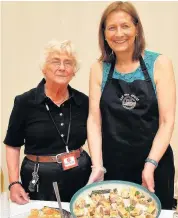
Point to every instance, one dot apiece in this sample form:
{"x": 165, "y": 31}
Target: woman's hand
{"x": 97, "y": 175}
{"x": 148, "y": 176}
{"x": 18, "y": 194}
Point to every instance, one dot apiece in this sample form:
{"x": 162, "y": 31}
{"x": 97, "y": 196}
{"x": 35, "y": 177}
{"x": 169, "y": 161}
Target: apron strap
{"x": 111, "y": 71}
{"x": 144, "y": 69}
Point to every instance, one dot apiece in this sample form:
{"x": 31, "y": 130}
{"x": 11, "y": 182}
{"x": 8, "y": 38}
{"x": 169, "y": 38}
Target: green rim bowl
{"x": 105, "y": 185}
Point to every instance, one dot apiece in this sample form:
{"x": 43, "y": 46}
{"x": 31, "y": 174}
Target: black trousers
{"x": 163, "y": 176}
{"x": 69, "y": 181}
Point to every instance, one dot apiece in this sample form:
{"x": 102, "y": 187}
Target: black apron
{"x": 130, "y": 121}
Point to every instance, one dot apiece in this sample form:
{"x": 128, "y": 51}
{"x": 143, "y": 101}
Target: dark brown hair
{"x": 106, "y": 51}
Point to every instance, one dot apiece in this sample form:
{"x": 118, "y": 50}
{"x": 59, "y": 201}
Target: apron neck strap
{"x": 142, "y": 64}
{"x": 111, "y": 71}
{"x": 144, "y": 69}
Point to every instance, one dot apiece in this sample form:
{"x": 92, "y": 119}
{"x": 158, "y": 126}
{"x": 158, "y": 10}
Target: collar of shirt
{"x": 41, "y": 96}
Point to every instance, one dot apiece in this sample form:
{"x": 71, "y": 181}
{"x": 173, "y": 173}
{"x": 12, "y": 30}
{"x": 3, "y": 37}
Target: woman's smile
{"x": 119, "y": 41}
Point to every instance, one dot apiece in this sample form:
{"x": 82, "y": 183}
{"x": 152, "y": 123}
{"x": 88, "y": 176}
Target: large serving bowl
{"x": 125, "y": 191}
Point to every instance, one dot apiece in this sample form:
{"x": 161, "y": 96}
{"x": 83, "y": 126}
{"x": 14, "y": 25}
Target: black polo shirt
{"x": 31, "y": 125}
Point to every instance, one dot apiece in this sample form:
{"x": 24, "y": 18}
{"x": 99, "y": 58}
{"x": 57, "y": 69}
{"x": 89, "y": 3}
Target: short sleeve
{"x": 16, "y": 129}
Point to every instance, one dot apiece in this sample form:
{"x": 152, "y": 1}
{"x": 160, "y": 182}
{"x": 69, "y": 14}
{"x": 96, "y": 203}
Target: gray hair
{"x": 59, "y": 47}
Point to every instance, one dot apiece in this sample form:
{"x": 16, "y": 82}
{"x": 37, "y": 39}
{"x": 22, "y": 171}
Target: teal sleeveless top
{"x": 149, "y": 59}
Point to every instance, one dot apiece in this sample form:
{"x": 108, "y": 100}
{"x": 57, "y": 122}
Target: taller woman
{"x": 132, "y": 107}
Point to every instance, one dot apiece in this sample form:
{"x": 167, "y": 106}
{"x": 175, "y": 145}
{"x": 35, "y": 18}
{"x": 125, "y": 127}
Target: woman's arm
{"x": 94, "y": 118}
{"x": 94, "y": 123}
{"x": 13, "y": 159}
{"x": 14, "y": 140}
{"x": 166, "y": 95}
{"x": 17, "y": 193}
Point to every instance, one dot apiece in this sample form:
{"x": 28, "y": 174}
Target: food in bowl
{"x": 122, "y": 202}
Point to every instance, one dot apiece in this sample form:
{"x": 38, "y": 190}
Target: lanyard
{"x": 68, "y": 131}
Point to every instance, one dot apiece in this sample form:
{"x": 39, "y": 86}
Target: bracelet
{"x": 151, "y": 161}
{"x": 102, "y": 168}
{"x": 13, "y": 183}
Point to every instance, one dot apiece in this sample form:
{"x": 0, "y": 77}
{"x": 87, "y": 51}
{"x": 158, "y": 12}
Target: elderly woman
{"x": 50, "y": 121}
{"x": 132, "y": 112}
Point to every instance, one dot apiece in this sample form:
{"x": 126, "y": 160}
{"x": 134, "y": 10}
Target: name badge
{"x": 69, "y": 161}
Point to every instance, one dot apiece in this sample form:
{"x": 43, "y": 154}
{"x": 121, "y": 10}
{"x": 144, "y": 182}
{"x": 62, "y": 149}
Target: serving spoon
{"x": 56, "y": 190}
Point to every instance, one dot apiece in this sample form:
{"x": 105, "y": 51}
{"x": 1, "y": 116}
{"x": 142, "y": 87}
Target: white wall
{"x": 27, "y": 26}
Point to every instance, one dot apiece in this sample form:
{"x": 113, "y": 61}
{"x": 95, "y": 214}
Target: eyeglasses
{"x": 67, "y": 64}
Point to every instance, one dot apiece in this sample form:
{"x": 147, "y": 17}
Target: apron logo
{"x": 129, "y": 101}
